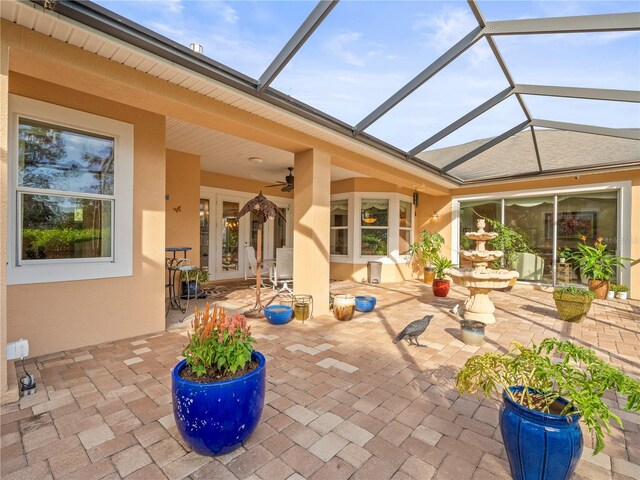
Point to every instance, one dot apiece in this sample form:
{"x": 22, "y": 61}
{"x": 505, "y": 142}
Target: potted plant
{"x": 509, "y": 240}
{"x": 597, "y": 264}
{"x": 613, "y": 289}
{"x": 219, "y": 388}
{"x": 573, "y": 303}
{"x": 563, "y": 254}
{"x": 423, "y": 252}
{"x": 622, "y": 292}
{"x": 545, "y": 391}
{"x": 441, "y": 284}
{"x": 192, "y": 281}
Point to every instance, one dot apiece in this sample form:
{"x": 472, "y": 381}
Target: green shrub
{"x": 573, "y": 290}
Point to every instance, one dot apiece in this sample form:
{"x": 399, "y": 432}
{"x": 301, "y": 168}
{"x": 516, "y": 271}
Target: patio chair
{"x": 282, "y": 271}
{"x": 530, "y": 266}
{"x": 251, "y": 266}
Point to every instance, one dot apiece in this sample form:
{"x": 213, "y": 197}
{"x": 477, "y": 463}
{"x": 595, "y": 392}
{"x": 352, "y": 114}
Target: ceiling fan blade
{"x": 279, "y": 184}
{"x": 287, "y": 188}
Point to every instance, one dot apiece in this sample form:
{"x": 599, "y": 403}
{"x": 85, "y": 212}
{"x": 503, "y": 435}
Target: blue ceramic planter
{"x": 540, "y": 446}
{"x": 216, "y": 418}
{"x": 278, "y": 314}
{"x": 365, "y": 303}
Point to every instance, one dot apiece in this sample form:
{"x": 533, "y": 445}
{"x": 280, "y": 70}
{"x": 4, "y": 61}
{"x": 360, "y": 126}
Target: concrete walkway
{"x": 343, "y": 400}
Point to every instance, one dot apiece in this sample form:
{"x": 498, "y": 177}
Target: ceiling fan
{"x": 287, "y": 185}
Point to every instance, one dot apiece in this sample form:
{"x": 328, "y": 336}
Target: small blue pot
{"x": 278, "y": 314}
{"x": 365, "y": 303}
{"x": 540, "y": 446}
{"x": 216, "y": 418}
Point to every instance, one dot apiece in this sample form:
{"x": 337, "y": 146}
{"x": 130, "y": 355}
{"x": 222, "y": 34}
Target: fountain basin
{"x": 487, "y": 279}
{"x": 482, "y": 256}
{"x": 481, "y": 236}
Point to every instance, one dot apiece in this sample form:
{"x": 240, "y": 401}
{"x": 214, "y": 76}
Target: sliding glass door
{"x": 549, "y": 227}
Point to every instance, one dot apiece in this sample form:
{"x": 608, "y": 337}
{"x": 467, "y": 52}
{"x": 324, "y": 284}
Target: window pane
{"x": 405, "y": 241}
{"x": 55, "y": 158}
{"x": 374, "y": 213}
{"x": 591, "y": 214}
{"x": 339, "y": 241}
{"x": 230, "y": 232}
{"x": 531, "y": 217}
{"x": 405, "y": 214}
{"x": 470, "y": 212}
{"x": 339, "y": 213}
{"x": 64, "y": 227}
{"x": 374, "y": 241}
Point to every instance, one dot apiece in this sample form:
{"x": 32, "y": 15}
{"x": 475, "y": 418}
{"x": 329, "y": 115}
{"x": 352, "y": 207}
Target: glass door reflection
{"x": 230, "y": 236}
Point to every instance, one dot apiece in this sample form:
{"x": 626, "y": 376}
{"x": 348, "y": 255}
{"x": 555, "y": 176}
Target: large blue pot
{"x": 216, "y": 418}
{"x": 540, "y": 446}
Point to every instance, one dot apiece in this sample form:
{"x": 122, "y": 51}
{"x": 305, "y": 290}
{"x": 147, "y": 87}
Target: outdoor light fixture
{"x": 434, "y": 217}
{"x": 416, "y": 197}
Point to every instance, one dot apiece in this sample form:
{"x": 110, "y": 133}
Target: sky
{"x": 364, "y": 51}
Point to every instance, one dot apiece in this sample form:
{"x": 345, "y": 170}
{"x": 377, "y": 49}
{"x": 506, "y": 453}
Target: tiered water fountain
{"x": 480, "y": 279}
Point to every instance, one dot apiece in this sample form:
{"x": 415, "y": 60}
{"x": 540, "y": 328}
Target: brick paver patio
{"x": 343, "y": 400}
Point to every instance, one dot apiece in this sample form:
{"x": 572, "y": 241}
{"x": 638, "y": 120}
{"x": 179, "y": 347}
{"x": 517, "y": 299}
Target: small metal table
{"x": 175, "y": 266}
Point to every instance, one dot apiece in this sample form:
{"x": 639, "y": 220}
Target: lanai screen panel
{"x": 509, "y": 10}
{"x": 601, "y": 113}
{"x": 514, "y": 156}
{"x": 364, "y": 51}
{"x": 596, "y": 60}
{"x": 471, "y": 79}
{"x": 245, "y": 36}
{"x": 560, "y": 149}
{"x": 474, "y": 134}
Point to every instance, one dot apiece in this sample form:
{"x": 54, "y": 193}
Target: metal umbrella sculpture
{"x": 264, "y": 210}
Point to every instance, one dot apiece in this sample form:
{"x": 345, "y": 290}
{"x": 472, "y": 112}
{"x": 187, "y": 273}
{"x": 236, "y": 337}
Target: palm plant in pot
{"x": 573, "y": 303}
{"x": 423, "y": 252}
{"x": 546, "y": 390}
{"x": 219, "y": 388}
{"x": 598, "y": 264}
{"x": 441, "y": 284}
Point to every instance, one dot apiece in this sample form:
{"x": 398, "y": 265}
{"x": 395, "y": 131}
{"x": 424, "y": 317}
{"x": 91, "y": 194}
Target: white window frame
{"x": 120, "y": 263}
{"x": 346, "y": 227}
{"x": 355, "y": 201}
{"x": 623, "y": 221}
{"x": 406, "y": 229}
{"x": 363, "y": 228}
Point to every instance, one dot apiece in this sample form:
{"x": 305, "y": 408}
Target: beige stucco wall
{"x": 64, "y": 315}
{"x": 183, "y": 205}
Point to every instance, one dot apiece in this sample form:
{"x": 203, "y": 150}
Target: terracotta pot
{"x": 428, "y": 274}
{"x": 599, "y": 288}
{"x": 441, "y": 288}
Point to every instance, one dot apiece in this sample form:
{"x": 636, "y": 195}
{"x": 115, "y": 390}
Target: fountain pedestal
{"x": 479, "y": 279}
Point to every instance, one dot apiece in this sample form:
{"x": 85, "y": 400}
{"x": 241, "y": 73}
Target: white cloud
{"x": 444, "y": 30}
{"x": 345, "y": 46}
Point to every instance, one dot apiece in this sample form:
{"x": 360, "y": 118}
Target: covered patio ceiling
{"x": 536, "y": 118}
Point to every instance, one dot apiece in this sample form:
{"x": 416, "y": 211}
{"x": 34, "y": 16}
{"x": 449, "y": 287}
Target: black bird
{"x": 414, "y": 330}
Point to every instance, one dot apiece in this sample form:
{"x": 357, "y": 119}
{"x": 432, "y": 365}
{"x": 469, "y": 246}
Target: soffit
{"x": 73, "y": 33}
{"x": 230, "y": 155}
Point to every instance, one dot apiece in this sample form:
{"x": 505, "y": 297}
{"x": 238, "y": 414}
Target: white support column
{"x": 311, "y": 203}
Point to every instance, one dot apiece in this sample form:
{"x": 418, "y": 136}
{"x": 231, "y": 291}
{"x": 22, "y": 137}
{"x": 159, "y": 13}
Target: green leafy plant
{"x": 201, "y": 273}
{"x": 219, "y": 343}
{"x": 573, "y": 291}
{"x": 440, "y": 264}
{"x": 576, "y": 374}
{"x": 622, "y": 288}
{"x": 509, "y": 240}
{"x": 596, "y": 262}
{"x": 614, "y": 288}
{"x": 564, "y": 252}
{"x": 424, "y": 251}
